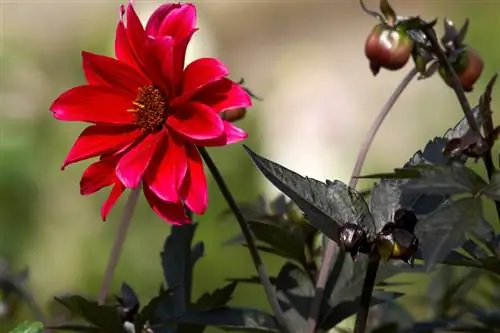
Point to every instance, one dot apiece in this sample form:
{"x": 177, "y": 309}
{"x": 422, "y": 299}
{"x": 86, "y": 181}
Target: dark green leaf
{"x": 103, "y": 316}
{"x": 29, "y": 327}
{"x": 346, "y": 309}
{"x": 324, "y": 205}
{"x": 492, "y": 191}
{"x": 217, "y": 299}
{"x": 176, "y": 262}
{"x": 445, "y": 229}
{"x": 445, "y": 180}
{"x": 423, "y": 204}
{"x": 253, "y": 280}
{"x": 279, "y": 238}
{"x": 161, "y": 309}
{"x": 438, "y": 179}
{"x": 295, "y": 292}
{"x": 239, "y": 319}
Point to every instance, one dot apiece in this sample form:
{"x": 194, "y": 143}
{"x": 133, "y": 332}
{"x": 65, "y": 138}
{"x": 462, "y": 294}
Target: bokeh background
{"x": 305, "y": 58}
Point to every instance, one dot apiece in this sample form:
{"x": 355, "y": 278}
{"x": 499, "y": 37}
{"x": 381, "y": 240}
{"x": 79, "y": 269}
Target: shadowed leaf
{"x": 445, "y": 229}
{"x": 346, "y": 309}
{"x": 176, "y": 262}
{"x": 251, "y": 280}
{"x": 295, "y": 292}
{"x": 216, "y": 299}
{"x": 233, "y": 319}
{"x": 103, "y": 316}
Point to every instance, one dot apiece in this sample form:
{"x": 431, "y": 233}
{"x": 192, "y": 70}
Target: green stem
{"x": 249, "y": 238}
{"x": 366, "y": 292}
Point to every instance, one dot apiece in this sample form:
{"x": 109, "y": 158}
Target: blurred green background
{"x": 47, "y": 226}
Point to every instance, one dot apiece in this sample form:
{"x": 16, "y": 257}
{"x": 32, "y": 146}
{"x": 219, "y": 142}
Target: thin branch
{"x": 249, "y": 238}
{"x": 121, "y": 234}
{"x": 330, "y": 248}
{"x": 455, "y": 82}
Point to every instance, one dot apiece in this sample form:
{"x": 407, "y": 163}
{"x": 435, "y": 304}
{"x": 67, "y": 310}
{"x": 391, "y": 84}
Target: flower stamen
{"x": 150, "y": 109}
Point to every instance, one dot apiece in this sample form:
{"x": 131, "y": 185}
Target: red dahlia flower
{"x": 149, "y": 114}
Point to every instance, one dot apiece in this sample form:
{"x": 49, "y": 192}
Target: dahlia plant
{"x": 151, "y": 117}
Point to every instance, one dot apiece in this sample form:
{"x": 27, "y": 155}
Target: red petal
{"x": 168, "y": 169}
{"x": 94, "y": 104}
{"x": 224, "y": 95}
{"x": 180, "y": 47}
{"x": 134, "y": 162}
{"x": 123, "y": 50}
{"x": 194, "y": 191}
{"x": 158, "y": 16}
{"x": 98, "y": 140}
{"x": 101, "y": 70}
{"x": 232, "y": 134}
{"x": 179, "y": 22}
{"x": 115, "y": 194}
{"x": 196, "y": 121}
{"x": 98, "y": 175}
{"x": 161, "y": 66}
{"x": 171, "y": 212}
{"x": 200, "y": 73}
{"x": 135, "y": 33}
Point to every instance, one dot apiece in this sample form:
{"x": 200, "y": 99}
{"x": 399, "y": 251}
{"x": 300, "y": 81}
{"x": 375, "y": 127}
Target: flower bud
{"x": 233, "y": 114}
{"x": 388, "y": 48}
{"x": 468, "y": 66}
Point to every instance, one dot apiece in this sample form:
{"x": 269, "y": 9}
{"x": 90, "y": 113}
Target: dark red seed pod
{"x": 387, "y": 48}
{"x": 468, "y": 66}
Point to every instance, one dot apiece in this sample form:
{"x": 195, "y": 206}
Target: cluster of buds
{"x": 396, "y": 38}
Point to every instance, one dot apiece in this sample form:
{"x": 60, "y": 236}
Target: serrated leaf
{"x": 295, "y": 292}
{"x": 234, "y": 319}
{"x": 445, "y": 229}
{"x": 424, "y": 204}
{"x": 324, "y": 205}
{"x": 28, "y": 327}
{"x": 177, "y": 263}
{"x": 103, "y": 316}
{"x": 439, "y": 179}
{"x": 217, "y": 299}
{"x": 280, "y": 239}
{"x": 446, "y": 180}
{"x": 161, "y": 309}
{"x": 346, "y": 309}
